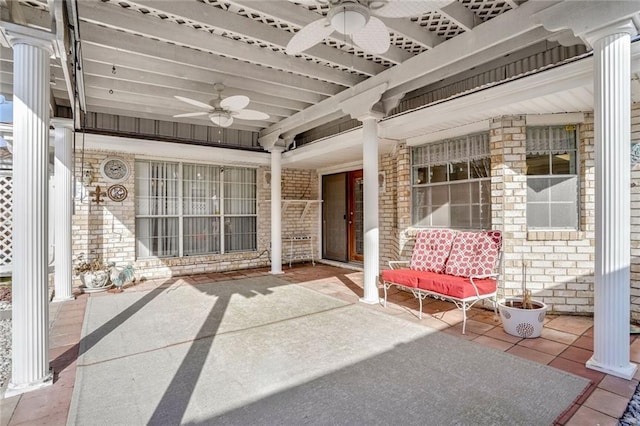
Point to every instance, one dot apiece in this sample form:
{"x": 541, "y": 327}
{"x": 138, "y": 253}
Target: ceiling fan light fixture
{"x": 349, "y": 17}
{"x": 221, "y": 118}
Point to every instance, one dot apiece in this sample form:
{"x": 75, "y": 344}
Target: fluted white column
{"x": 63, "y": 209}
{"x": 612, "y": 216}
{"x": 371, "y": 233}
{"x": 276, "y": 210}
{"x": 30, "y": 338}
{"x": 362, "y": 106}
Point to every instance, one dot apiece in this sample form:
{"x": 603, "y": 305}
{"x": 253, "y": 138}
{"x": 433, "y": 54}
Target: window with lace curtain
{"x": 451, "y": 183}
{"x": 194, "y": 209}
{"x": 552, "y": 177}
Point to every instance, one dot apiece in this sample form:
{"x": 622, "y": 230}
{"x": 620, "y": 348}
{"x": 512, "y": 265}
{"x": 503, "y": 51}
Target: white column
{"x": 362, "y": 106}
{"x": 371, "y": 233}
{"x": 612, "y": 216}
{"x": 63, "y": 209}
{"x": 276, "y": 210}
{"x": 30, "y": 350}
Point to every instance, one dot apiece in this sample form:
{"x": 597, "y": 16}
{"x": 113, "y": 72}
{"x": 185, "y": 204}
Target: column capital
{"x": 19, "y": 34}
{"x": 62, "y": 123}
{"x": 590, "y": 20}
{"x": 361, "y": 106}
{"x": 277, "y": 148}
{"x": 269, "y": 140}
{"x": 622, "y": 27}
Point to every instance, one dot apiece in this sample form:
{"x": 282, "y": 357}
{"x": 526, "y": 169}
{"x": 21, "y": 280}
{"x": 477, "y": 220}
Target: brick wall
{"x": 107, "y": 230}
{"x": 103, "y": 230}
{"x": 300, "y": 216}
{"x": 560, "y": 264}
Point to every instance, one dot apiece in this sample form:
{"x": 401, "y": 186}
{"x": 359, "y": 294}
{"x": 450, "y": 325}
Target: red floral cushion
{"x": 431, "y": 250}
{"x": 474, "y": 253}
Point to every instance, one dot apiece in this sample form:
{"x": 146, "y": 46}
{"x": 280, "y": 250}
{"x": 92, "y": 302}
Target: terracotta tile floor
{"x": 566, "y": 343}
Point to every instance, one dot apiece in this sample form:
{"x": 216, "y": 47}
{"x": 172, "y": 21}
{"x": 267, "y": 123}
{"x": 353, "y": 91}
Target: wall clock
{"x": 117, "y": 192}
{"x": 114, "y": 169}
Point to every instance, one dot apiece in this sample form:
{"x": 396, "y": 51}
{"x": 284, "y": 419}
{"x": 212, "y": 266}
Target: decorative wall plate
{"x": 114, "y": 169}
{"x": 117, "y": 192}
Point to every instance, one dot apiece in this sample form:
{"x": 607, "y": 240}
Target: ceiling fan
{"x": 355, "y": 18}
{"x": 222, "y": 111}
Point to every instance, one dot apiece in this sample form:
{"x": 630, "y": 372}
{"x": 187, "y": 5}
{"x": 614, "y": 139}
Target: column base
{"x": 626, "y": 372}
{"x": 63, "y": 299}
{"x": 13, "y": 390}
{"x": 371, "y": 302}
{"x": 276, "y": 272}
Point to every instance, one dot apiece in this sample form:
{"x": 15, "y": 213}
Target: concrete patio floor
{"x": 566, "y": 343}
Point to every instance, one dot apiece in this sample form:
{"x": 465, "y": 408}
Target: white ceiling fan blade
{"x": 234, "y": 103}
{"x": 221, "y": 120}
{"x": 373, "y": 38}
{"x": 192, "y": 114}
{"x": 309, "y": 36}
{"x": 405, "y": 8}
{"x": 194, "y": 102}
{"x": 249, "y": 114}
{"x": 306, "y": 2}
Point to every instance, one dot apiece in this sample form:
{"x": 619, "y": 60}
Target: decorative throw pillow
{"x": 487, "y": 253}
{"x": 463, "y": 251}
{"x": 431, "y": 250}
{"x": 474, "y": 253}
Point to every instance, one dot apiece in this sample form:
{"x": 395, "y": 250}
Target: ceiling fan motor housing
{"x": 348, "y": 17}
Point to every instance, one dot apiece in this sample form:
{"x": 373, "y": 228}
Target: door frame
{"x": 352, "y": 232}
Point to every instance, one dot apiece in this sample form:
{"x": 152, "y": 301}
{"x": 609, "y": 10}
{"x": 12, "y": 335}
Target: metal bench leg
{"x": 384, "y": 285}
{"x": 464, "y": 317}
{"x": 420, "y": 299}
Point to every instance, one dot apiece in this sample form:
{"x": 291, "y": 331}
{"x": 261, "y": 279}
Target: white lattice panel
{"x": 6, "y": 193}
{"x": 487, "y": 9}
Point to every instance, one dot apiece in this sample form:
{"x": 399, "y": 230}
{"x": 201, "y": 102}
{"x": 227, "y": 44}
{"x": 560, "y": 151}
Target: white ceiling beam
{"x": 460, "y": 15}
{"x": 231, "y": 22}
{"x": 413, "y": 31}
{"x": 137, "y": 23}
{"x": 111, "y": 57}
{"x": 481, "y": 45}
{"x": 177, "y": 56}
{"x": 188, "y": 86}
{"x": 172, "y": 105}
{"x": 299, "y": 16}
{"x": 154, "y": 113}
{"x": 106, "y": 84}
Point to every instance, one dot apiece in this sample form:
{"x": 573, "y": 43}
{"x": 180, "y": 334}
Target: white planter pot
{"x": 526, "y": 323}
{"x": 95, "y": 279}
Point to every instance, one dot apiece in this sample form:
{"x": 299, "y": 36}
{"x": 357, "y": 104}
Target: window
{"x": 180, "y": 209}
{"x": 451, "y": 183}
{"x": 552, "y": 178}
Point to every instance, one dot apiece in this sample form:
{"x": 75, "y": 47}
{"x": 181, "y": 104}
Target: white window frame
{"x": 427, "y": 162}
{"x": 181, "y": 215}
{"x": 575, "y": 176}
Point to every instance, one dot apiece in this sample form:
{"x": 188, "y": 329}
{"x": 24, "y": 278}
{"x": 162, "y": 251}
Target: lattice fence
{"x": 6, "y": 191}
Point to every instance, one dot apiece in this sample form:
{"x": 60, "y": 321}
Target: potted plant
{"x": 522, "y": 316}
{"x": 94, "y": 274}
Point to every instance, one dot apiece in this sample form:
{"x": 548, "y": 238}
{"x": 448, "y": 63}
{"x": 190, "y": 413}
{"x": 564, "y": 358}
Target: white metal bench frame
{"x": 463, "y": 304}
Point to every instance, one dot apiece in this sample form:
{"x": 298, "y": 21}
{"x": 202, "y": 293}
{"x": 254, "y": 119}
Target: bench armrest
{"x": 397, "y": 264}
{"x": 479, "y": 277}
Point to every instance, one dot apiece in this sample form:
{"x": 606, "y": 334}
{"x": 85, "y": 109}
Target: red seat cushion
{"x": 453, "y": 286}
{"x": 432, "y": 249}
{"x": 447, "y": 285}
{"x": 405, "y": 277}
